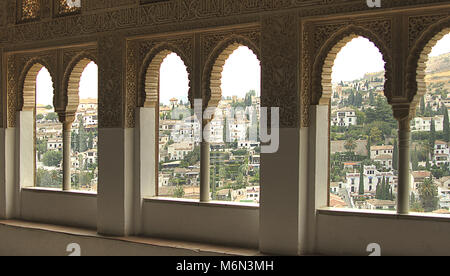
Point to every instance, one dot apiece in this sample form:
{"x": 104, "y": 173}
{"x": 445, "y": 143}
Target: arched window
{"x": 84, "y": 131}
{"x": 178, "y": 132}
{"x": 363, "y": 131}
{"x": 234, "y": 141}
{"x": 430, "y": 155}
{"x": 48, "y": 131}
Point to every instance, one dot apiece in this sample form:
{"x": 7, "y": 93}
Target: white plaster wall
{"x": 7, "y": 172}
{"x": 60, "y": 208}
{"x": 348, "y": 234}
{"x": 279, "y": 219}
{"x": 233, "y": 226}
{"x": 3, "y": 200}
{"x": 115, "y": 189}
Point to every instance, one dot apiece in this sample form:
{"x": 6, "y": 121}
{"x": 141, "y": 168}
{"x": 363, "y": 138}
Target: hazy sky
{"x": 361, "y": 56}
{"x": 358, "y": 57}
{"x": 442, "y": 47}
{"x": 241, "y": 72}
{"x": 88, "y": 85}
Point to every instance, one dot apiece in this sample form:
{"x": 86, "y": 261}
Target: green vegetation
{"x": 52, "y": 158}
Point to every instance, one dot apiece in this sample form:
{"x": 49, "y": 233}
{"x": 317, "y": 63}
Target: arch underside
{"x": 28, "y": 101}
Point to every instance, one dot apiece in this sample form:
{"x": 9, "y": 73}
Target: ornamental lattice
{"x": 30, "y": 9}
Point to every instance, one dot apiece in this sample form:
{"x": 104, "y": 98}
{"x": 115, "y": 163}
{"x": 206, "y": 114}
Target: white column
{"x": 403, "y": 190}
{"x": 67, "y": 141}
{"x": 204, "y": 165}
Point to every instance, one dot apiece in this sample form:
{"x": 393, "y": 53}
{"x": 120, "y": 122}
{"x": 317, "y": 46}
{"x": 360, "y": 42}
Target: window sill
{"x": 192, "y": 202}
{"x": 382, "y": 214}
{"x": 198, "y": 248}
{"x": 53, "y": 190}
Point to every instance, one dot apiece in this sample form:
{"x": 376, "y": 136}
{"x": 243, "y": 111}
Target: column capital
{"x": 66, "y": 118}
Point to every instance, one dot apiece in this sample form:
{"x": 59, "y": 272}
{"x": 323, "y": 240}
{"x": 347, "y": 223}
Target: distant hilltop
{"x": 370, "y": 76}
{"x": 439, "y": 64}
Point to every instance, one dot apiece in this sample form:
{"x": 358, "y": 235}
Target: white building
{"x": 371, "y": 177}
{"x": 441, "y": 153}
{"x": 55, "y": 144}
{"x": 344, "y": 118}
{"x": 178, "y": 151}
{"x": 424, "y": 123}
{"x": 383, "y": 155}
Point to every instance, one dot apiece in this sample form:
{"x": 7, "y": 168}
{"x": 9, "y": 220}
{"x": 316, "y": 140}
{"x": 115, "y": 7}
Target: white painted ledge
{"x": 192, "y": 202}
{"x": 382, "y": 214}
{"x": 53, "y": 190}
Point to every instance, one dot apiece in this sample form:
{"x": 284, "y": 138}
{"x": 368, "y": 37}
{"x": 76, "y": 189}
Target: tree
{"x": 52, "y": 158}
{"x": 422, "y": 106}
{"x": 415, "y": 160}
{"x": 90, "y": 142}
{"x": 376, "y": 136}
{"x": 428, "y": 195}
{"x": 432, "y": 140}
{"x": 51, "y": 117}
{"x": 395, "y": 155}
{"x": 361, "y": 181}
{"x": 50, "y": 179}
{"x": 41, "y": 147}
{"x": 179, "y": 191}
{"x": 39, "y": 117}
{"x": 350, "y": 145}
{"x": 371, "y": 99}
{"x": 82, "y": 136}
{"x": 226, "y": 130}
{"x": 415, "y": 205}
{"x": 446, "y": 124}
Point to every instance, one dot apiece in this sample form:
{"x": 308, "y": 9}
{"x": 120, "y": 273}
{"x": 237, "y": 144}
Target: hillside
{"x": 439, "y": 64}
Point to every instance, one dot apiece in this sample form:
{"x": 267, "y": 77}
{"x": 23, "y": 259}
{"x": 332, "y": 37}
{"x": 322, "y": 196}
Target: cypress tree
{"x": 395, "y": 155}
{"x": 446, "y": 125}
{"x": 432, "y": 137}
{"x": 377, "y": 195}
{"x": 391, "y": 195}
{"x": 361, "y": 181}
{"x": 422, "y": 106}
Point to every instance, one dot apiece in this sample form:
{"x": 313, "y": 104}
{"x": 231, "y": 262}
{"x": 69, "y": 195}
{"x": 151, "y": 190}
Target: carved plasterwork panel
{"x": 110, "y": 69}
{"x": 29, "y": 9}
{"x": 114, "y": 15}
{"x": 22, "y": 70}
{"x": 279, "y": 60}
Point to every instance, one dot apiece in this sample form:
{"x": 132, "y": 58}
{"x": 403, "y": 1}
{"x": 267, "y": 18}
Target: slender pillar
{"x": 67, "y": 137}
{"x": 403, "y": 190}
{"x": 204, "y": 164}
